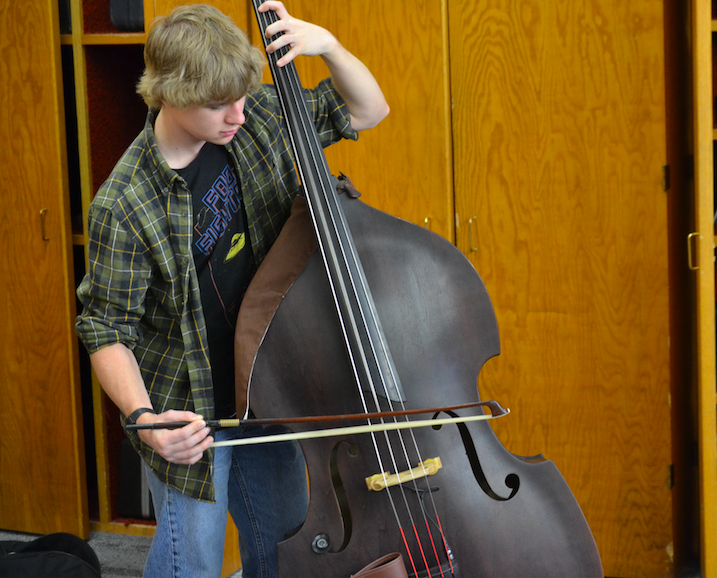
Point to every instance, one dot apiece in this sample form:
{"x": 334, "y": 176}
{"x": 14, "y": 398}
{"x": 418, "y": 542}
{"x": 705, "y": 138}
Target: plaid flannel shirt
{"x": 141, "y": 286}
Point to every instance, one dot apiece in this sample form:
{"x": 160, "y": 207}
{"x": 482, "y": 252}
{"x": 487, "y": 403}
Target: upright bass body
{"x": 486, "y": 512}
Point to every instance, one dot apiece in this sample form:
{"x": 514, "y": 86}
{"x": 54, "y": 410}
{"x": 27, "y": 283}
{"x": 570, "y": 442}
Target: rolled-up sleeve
{"x": 113, "y": 291}
{"x": 330, "y": 113}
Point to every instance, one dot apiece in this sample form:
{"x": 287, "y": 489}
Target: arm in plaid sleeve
{"x": 115, "y": 286}
{"x": 353, "y": 81}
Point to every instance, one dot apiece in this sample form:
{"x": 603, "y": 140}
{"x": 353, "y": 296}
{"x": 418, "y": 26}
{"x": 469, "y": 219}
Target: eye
{"x": 216, "y": 105}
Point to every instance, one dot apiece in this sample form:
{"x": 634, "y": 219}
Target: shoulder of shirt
{"x": 266, "y": 99}
{"x": 263, "y": 111}
{"x": 262, "y": 104}
{"x": 136, "y": 174}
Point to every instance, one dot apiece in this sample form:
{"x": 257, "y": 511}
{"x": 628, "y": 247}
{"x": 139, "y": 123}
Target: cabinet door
{"x": 42, "y": 486}
{"x": 237, "y": 10}
{"x": 703, "y": 266}
{"x": 402, "y": 166}
{"x": 559, "y": 132}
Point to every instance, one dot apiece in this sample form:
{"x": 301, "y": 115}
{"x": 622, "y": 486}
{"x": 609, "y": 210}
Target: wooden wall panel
{"x": 703, "y": 45}
{"x": 403, "y": 166}
{"x": 237, "y": 10}
{"x": 42, "y": 486}
{"x": 560, "y": 133}
{"x": 557, "y": 113}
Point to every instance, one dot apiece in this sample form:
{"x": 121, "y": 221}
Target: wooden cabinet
{"x": 558, "y": 136}
{"x": 42, "y": 486}
{"x": 548, "y": 141}
{"x": 550, "y": 124}
{"x": 559, "y": 148}
{"x": 701, "y": 247}
{"x": 404, "y": 165}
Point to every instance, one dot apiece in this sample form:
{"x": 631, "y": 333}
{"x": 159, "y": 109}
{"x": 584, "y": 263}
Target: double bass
{"x": 357, "y": 313}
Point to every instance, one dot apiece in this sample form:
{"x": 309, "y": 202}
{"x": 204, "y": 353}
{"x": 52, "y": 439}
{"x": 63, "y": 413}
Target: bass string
{"x": 296, "y": 101}
{"x": 328, "y": 217}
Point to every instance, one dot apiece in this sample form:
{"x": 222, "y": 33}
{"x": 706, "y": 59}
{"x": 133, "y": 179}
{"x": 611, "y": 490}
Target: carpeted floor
{"x": 120, "y": 556}
{"x": 123, "y": 556}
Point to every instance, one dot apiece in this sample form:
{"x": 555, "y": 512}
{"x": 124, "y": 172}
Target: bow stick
{"x": 358, "y": 429}
{"x": 496, "y": 410}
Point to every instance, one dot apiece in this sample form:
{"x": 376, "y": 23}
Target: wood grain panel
{"x": 403, "y": 166}
{"x": 237, "y": 10}
{"x": 42, "y": 486}
{"x": 571, "y": 229}
{"x": 559, "y": 132}
{"x": 704, "y": 60}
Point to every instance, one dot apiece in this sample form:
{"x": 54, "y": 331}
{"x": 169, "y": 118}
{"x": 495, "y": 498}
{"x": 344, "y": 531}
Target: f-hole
{"x": 512, "y": 481}
{"x": 340, "y": 492}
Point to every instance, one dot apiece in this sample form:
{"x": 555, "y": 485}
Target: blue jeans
{"x": 262, "y": 486}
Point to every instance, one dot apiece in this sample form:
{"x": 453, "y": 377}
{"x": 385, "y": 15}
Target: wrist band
{"x": 132, "y": 418}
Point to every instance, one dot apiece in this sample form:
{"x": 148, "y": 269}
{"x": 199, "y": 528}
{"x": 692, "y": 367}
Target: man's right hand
{"x": 178, "y": 446}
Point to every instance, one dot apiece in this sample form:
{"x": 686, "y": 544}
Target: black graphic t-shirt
{"x": 223, "y": 259}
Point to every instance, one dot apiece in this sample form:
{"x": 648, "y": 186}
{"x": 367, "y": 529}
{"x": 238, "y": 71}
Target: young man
{"x": 176, "y": 234}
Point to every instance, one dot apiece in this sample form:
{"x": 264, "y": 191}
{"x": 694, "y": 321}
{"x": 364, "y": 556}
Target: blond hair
{"x": 195, "y": 56}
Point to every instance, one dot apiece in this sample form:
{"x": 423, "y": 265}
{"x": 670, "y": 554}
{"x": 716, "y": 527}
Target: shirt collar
{"x": 166, "y": 174}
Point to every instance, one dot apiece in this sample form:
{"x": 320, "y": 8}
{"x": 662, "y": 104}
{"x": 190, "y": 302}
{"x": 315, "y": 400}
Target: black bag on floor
{"x": 56, "y": 555}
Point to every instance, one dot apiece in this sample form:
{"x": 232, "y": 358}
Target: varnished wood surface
{"x": 42, "y": 486}
{"x": 559, "y": 143}
{"x": 702, "y": 27}
{"x": 403, "y": 166}
{"x": 236, "y": 10}
{"x": 557, "y": 128}
{"x": 560, "y": 139}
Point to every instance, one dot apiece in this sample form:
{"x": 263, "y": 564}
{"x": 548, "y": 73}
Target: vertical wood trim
{"x": 86, "y": 194}
{"x": 42, "y": 456}
{"x": 75, "y": 391}
{"x": 149, "y": 14}
{"x": 704, "y": 205}
{"x": 83, "y": 140}
{"x": 559, "y": 131}
{"x": 450, "y": 196}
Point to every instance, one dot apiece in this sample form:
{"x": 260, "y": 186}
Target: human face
{"x": 215, "y": 122}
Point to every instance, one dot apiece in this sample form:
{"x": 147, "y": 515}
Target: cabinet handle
{"x": 427, "y": 223}
{"x": 690, "y": 261}
{"x": 471, "y": 244}
{"x": 42, "y": 224}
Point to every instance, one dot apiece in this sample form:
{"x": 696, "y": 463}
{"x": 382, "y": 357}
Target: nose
{"x": 235, "y": 113}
